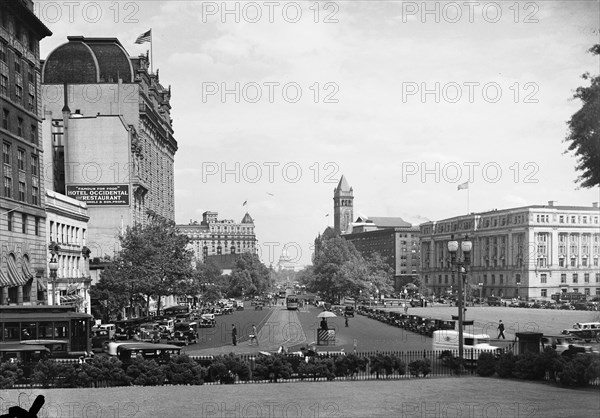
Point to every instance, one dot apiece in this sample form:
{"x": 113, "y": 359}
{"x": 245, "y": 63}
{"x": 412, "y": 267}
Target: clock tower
{"x": 343, "y": 197}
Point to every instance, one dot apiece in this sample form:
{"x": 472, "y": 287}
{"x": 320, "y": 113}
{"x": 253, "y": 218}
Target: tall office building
{"x": 108, "y": 127}
{"x": 527, "y": 252}
{"x": 23, "y": 266}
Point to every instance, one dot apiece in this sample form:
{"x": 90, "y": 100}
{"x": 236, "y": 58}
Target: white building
{"x": 67, "y": 226}
{"x": 529, "y": 252}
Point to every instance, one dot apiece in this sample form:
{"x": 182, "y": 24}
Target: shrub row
{"x": 580, "y": 370}
{"x": 109, "y": 371}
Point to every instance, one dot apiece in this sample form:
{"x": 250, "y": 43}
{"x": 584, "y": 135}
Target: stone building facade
{"x": 527, "y": 252}
{"x": 22, "y": 209}
{"x": 219, "y": 237}
{"x": 107, "y": 125}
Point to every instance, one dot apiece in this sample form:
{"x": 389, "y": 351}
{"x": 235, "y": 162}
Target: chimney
{"x": 551, "y": 202}
{"x": 595, "y": 205}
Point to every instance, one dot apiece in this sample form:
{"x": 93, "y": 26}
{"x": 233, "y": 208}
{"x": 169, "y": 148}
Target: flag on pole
{"x": 144, "y": 37}
{"x": 463, "y": 186}
{"x": 244, "y": 204}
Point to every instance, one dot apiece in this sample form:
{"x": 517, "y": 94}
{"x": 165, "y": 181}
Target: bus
{"x": 59, "y": 328}
{"x": 292, "y": 302}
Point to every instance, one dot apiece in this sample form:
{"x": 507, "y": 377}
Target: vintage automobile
{"x": 207, "y": 321}
{"x": 185, "y": 333}
{"x": 258, "y": 306}
{"x": 565, "y": 344}
{"x": 239, "y": 305}
{"x": 149, "y": 332}
{"x": 587, "y": 331}
{"x": 99, "y": 337}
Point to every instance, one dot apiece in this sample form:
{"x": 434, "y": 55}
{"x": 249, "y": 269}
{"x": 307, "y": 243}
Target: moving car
{"x": 565, "y": 344}
{"x": 587, "y": 331}
{"x": 349, "y": 311}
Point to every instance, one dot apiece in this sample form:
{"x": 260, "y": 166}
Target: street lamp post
{"x": 480, "y": 294}
{"x": 460, "y": 266}
{"x": 53, "y": 266}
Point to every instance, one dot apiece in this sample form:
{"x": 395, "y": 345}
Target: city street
{"x": 277, "y": 326}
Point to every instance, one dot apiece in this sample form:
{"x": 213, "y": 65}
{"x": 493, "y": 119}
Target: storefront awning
{"x": 26, "y": 270}
{"x": 70, "y": 299}
{"x": 14, "y": 277}
{"x": 4, "y": 280}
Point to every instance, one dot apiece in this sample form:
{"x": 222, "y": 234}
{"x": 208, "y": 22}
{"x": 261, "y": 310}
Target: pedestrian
{"x": 346, "y": 320}
{"x": 501, "y": 330}
{"x": 324, "y": 324}
{"x": 233, "y": 334}
{"x": 405, "y": 307}
{"x": 253, "y": 336}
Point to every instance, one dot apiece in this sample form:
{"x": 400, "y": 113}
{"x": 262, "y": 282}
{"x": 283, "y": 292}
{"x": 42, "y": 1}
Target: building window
{"x": 7, "y": 187}
{"x": 597, "y": 277}
{"x": 586, "y": 277}
{"x": 493, "y": 279}
{"x": 34, "y": 195}
{"x": 6, "y": 153}
{"x": 33, "y": 134}
{"x": 3, "y": 49}
{"x": 5, "y": 119}
{"x": 572, "y": 262}
{"x": 24, "y": 223}
{"x": 18, "y": 65}
{"x": 544, "y": 293}
{"x": 584, "y": 262}
{"x": 22, "y": 191}
{"x": 19, "y": 95}
{"x": 37, "y": 226}
{"x": 574, "y": 277}
{"x": 561, "y": 262}
{"x": 563, "y": 278}
{"x": 543, "y": 278}
{"x": 34, "y": 165}
{"x": 9, "y": 221}
{"x": 561, "y": 219}
{"x": 3, "y": 85}
{"x": 21, "y": 159}
{"x": 31, "y": 74}
{"x": 31, "y": 103}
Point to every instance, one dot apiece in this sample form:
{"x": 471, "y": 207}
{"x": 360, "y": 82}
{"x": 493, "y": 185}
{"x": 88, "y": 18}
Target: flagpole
{"x": 468, "y": 191}
{"x": 151, "y": 54}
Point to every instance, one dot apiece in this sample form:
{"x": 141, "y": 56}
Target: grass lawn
{"x": 437, "y": 397}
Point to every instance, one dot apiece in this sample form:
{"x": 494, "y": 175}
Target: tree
{"x": 154, "y": 262}
{"x": 584, "y": 130}
{"x": 339, "y": 269}
{"x": 380, "y": 273}
{"x": 249, "y": 276}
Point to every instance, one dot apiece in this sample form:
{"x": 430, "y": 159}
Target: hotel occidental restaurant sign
{"x": 101, "y": 195}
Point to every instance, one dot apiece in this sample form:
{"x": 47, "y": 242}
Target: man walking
{"x": 501, "y": 330}
{"x": 233, "y": 334}
{"x": 253, "y": 336}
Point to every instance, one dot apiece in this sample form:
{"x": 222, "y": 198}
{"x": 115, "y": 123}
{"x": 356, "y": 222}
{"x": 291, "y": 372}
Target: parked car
{"x": 239, "y": 305}
{"x": 185, "y": 333}
{"x": 99, "y": 337}
{"x": 207, "y": 321}
{"x": 258, "y": 306}
{"x": 349, "y": 311}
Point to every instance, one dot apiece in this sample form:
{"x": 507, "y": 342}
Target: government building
{"x": 529, "y": 252}
{"x": 220, "y": 238}
{"x": 23, "y": 263}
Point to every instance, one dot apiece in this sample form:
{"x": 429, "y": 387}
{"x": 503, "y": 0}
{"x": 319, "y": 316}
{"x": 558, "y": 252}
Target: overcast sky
{"x": 407, "y": 103}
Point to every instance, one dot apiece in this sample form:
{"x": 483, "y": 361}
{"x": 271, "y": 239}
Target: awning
{"x": 4, "y": 280}
{"x": 26, "y": 270}
{"x": 42, "y": 285}
{"x": 14, "y": 278}
{"x": 70, "y": 299}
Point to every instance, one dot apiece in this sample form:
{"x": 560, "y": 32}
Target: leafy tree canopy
{"x": 584, "y": 130}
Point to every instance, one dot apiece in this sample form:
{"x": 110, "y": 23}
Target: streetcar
{"x": 291, "y": 302}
